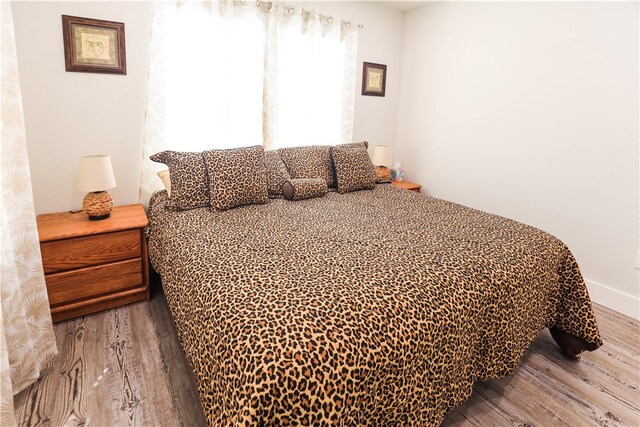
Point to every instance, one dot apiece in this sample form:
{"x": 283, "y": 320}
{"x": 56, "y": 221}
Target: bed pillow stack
{"x": 219, "y": 179}
{"x": 314, "y": 161}
{"x": 224, "y": 179}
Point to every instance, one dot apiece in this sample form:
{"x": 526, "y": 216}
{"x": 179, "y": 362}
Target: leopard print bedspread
{"x": 378, "y": 307}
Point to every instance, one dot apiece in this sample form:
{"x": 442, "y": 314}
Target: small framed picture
{"x": 374, "y": 79}
{"x": 93, "y": 45}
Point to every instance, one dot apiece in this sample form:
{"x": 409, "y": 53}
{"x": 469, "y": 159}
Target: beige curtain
{"x": 27, "y": 341}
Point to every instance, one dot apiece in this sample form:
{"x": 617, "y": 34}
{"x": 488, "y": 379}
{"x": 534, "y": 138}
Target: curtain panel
{"x": 27, "y": 341}
{"x": 226, "y": 74}
{"x": 314, "y": 78}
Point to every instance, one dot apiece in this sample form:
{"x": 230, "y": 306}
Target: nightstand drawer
{"x": 67, "y": 254}
{"x": 92, "y": 281}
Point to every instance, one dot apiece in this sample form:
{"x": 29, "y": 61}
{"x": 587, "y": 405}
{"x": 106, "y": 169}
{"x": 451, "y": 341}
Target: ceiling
{"x": 404, "y": 5}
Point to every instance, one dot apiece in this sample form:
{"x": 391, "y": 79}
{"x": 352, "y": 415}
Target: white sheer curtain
{"x": 27, "y": 342}
{"x": 228, "y": 74}
{"x": 315, "y": 76}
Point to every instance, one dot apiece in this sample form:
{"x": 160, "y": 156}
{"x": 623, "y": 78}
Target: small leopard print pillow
{"x": 237, "y": 177}
{"x": 309, "y": 162}
{"x": 277, "y": 173}
{"x": 304, "y": 188}
{"x": 189, "y": 184}
{"x": 354, "y": 170}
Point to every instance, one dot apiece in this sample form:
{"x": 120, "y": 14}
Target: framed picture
{"x": 93, "y": 45}
{"x": 374, "y": 79}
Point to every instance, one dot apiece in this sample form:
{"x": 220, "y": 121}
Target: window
{"x": 228, "y": 74}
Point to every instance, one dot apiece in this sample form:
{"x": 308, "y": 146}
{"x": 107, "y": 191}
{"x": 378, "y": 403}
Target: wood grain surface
{"x": 113, "y": 371}
{"x": 74, "y": 285}
{"x": 97, "y": 304}
{"x": 66, "y": 225}
{"x": 67, "y": 254}
{"x": 407, "y": 185}
{"x": 125, "y": 367}
{"x": 92, "y": 266}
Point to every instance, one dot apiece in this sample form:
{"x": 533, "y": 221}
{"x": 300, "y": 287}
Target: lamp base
{"x": 97, "y": 205}
{"x": 99, "y": 218}
{"x": 383, "y": 172}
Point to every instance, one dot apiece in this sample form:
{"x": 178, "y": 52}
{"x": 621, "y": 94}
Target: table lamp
{"x": 382, "y": 160}
{"x": 95, "y": 175}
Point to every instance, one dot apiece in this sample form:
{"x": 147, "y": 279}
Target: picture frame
{"x": 374, "y": 79}
{"x": 93, "y": 45}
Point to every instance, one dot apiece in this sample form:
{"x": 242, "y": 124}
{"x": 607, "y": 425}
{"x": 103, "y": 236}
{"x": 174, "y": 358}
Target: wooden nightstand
{"x": 411, "y": 186}
{"x": 92, "y": 266}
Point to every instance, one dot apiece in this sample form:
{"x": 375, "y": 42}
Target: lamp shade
{"x": 382, "y": 155}
{"x": 95, "y": 173}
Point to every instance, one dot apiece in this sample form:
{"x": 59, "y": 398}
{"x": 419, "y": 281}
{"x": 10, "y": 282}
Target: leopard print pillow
{"x": 237, "y": 177}
{"x": 304, "y": 188}
{"x": 277, "y": 173}
{"x": 309, "y": 162}
{"x": 354, "y": 170}
{"x": 189, "y": 183}
{"x": 360, "y": 144}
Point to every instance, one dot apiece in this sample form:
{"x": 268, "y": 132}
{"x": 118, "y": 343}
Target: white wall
{"x": 530, "y": 111}
{"x": 68, "y": 115}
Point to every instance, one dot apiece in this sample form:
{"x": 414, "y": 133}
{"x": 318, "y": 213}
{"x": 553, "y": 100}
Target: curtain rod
{"x": 291, "y": 10}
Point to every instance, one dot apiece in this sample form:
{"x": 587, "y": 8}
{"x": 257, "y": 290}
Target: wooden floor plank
{"x": 596, "y": 368}
{"x": 478, "y": 413}
{"x": 522, "y": 408}
{"x": 126, "y": 367}
{"x": 179, "y": 378}
{"x": 154, "y": 394}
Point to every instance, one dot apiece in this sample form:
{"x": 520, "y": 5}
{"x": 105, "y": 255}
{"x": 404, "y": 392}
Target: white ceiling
{"x": 404, "y": 5}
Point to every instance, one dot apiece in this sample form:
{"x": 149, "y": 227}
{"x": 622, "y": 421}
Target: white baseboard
{"x": 614, "y": 299}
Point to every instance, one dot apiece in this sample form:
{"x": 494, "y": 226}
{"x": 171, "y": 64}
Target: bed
{"x": 375, "y": 307}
